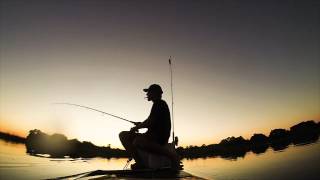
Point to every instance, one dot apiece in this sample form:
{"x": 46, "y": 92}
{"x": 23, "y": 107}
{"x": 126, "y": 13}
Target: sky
{"x": 239, "y": 67}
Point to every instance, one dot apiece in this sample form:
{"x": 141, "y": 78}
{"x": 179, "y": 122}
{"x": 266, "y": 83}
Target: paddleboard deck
{"x": 132, "y": 174}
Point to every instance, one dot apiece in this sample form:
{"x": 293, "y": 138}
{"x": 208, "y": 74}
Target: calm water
{"x": 295, "y": 162}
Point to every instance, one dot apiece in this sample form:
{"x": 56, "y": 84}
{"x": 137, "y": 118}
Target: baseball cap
{"x": 153, "y": 88}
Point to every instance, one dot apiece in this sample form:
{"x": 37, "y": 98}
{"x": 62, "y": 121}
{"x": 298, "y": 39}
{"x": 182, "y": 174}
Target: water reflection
{"x": 16, "y": 164}
{"x": 295, "y": 162}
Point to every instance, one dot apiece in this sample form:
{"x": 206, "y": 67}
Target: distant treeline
{"x": 57, "y": 145}
{"x": 278, "y": 139}
{"x": 12, "y": 138}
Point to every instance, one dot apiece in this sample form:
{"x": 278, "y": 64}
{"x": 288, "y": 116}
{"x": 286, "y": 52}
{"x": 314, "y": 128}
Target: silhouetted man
{"x": 158, "y": 124}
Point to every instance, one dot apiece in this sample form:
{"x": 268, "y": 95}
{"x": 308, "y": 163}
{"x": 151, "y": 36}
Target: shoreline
{"x": 57, "y": 145}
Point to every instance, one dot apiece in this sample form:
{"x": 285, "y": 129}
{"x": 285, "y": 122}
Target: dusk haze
{"x": 238, "y": 67}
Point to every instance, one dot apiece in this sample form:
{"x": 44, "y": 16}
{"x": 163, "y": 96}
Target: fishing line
{"x": 93, "y": 109}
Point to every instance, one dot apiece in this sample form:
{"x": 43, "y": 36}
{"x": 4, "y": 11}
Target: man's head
{"x": 154, "y": 92}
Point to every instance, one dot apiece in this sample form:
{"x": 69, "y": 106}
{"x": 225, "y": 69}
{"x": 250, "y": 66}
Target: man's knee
{"x": 124, "y": 135}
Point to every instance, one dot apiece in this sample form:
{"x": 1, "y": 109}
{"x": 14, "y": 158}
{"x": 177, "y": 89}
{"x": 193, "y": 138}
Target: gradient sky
{"x": 240, "y": 67}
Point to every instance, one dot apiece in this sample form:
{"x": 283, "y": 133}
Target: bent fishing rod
{"x": 86, "y": 107}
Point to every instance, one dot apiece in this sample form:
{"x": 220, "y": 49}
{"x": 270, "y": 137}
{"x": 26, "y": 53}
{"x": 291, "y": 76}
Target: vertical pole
{"x": 173, "y": 139}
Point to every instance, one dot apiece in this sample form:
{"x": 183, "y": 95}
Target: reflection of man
{"x": 158, "y": 124}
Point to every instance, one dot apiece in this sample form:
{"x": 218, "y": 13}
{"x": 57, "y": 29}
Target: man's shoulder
{"x": 161, "y": 103}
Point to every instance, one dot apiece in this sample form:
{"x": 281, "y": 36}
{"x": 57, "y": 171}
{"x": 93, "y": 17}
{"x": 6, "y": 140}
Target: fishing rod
{"x": 86, "y": 107}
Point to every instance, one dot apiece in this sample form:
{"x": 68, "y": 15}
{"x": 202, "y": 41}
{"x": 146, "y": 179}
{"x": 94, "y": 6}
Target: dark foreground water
{"x": 295, "y": 162}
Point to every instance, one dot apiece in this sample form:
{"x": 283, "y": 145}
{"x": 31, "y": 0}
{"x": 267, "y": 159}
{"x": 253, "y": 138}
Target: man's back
{"x": 160, "y": 122}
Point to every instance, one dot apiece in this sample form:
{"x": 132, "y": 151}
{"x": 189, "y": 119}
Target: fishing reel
{"x": 176, "y": 140}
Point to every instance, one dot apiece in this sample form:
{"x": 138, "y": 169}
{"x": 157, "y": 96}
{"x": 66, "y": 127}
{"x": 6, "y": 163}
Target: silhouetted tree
{"x": 259, "y": 143}
{"x": 303, "y": 132}
{"x": 279, "y": 139}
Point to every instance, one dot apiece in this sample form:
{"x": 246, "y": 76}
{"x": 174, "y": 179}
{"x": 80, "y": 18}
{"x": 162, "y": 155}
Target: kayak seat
{"x": 156, "y": 161}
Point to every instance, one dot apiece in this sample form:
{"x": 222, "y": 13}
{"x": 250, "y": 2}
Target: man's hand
{"x": 134, "y": 129}
{"x": 136, "y": 123}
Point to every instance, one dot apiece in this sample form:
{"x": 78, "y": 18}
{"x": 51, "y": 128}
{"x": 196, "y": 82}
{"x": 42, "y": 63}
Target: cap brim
{"x": 145, "y": 90}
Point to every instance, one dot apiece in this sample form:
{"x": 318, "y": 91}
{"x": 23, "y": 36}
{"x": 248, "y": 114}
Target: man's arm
{"x": 145, "y": 124}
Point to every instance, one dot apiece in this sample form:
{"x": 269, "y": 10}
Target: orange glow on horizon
{"x": 10, "y": 129}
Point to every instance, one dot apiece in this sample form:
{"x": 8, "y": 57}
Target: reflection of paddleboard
{"x": 164, "y": 173}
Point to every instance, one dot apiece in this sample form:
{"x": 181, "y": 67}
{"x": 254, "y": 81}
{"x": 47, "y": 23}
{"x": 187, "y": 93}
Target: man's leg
{"x": 127, "y": 138}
